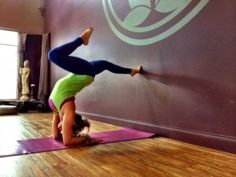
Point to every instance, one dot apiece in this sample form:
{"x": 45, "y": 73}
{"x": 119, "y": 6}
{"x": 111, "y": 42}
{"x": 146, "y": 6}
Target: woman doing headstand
{"x": 65, "y": 121}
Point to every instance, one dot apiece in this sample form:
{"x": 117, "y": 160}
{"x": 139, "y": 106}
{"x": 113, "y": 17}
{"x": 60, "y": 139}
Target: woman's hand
{"x": 91, "y": 141}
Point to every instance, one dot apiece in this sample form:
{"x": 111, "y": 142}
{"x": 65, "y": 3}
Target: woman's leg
{"x": 102, "y": 65}
{"x": 60, "y": 56}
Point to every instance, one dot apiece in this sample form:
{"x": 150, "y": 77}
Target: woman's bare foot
{"x": 86, "y": 35}
{"x": 136, "y": 70}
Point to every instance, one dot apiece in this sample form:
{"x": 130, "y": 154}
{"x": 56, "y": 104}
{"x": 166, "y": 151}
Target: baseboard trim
{"x": 216, "y": 141}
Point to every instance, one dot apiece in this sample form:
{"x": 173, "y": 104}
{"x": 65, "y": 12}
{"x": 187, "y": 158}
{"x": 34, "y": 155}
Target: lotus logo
{"x": 144, "y": 22}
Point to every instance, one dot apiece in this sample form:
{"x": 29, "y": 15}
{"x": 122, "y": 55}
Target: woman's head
{"x": 80, "y": 124}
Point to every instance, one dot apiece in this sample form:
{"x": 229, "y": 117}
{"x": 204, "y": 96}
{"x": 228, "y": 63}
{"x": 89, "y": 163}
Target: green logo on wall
{"x": 144, "y": 22}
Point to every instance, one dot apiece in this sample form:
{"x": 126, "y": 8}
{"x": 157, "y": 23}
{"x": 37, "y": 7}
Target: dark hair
{"x": 80, "y": 124}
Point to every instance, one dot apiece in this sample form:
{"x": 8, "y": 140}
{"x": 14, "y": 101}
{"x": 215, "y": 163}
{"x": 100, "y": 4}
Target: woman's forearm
{"x": 75, "y": 140}
{"x": 55, "y": 130}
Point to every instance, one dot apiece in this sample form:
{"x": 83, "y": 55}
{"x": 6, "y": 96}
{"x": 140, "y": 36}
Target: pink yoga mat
{"x": 20, "y": 147}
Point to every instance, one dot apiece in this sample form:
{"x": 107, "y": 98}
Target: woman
{"x": 81, "y": 74}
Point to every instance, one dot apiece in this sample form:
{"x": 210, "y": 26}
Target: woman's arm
{"x": 68, "y": 113}
{"x": 56, "y": 132}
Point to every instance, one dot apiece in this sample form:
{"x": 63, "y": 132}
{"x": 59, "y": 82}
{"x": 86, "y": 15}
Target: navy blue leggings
{"x": 61, "y": 57}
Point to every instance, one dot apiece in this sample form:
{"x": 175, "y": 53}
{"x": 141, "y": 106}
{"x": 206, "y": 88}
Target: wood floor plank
{"x": 153, "y": 157}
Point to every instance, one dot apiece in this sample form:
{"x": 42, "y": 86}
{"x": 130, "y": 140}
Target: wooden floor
{"x": 152, "y": 157}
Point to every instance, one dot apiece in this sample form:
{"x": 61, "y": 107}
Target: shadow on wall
{"x": 215, "y": 94}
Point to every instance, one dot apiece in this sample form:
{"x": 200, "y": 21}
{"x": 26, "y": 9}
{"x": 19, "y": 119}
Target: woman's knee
{"x": 52, "y": 55}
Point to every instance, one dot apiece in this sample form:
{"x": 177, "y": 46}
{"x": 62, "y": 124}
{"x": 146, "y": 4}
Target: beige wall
{"x": 22, "y": 15}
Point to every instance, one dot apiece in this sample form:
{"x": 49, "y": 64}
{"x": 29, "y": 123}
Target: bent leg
{"x": 60, "y": 56}
{"x": 68, "y": 48}
{"x": 65, "y": 49}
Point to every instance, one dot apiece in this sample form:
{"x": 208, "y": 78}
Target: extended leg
{"x": 102, "y": 65}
